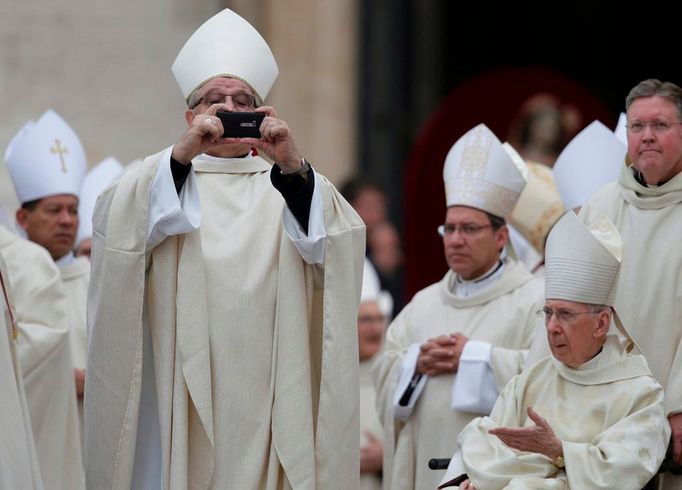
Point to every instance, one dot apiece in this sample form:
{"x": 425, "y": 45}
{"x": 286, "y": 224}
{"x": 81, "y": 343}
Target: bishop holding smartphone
{"x": 225, "y": 289}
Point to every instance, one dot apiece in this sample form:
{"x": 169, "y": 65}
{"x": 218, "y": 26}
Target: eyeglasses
{"x": 562, "y": 316}
{"x": 466, "y": 229}
{"x": 658, "y": 127}
{"x": 242, "y": 102}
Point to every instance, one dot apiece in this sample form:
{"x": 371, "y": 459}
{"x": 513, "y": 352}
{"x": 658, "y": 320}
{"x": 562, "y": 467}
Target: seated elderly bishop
{"x": 590, "y": 415}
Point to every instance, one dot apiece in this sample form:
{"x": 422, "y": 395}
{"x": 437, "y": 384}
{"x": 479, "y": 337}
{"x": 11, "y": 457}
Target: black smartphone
{"x": 241, "y": 124}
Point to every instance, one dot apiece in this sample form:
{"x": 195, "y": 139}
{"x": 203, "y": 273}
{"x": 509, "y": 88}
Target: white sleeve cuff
{"x": 170, "y": 213}
{"x": 474, "y": 389}
{"x": 407, "y": 371}
{"x": 310, "y": 246}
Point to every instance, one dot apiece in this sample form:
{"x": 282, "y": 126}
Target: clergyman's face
{"x": 53, "y": 223}
{"x": 371, "y": 326}
{"x": 471, "y": 256}
{"x": 656, "y": 154}
{"x": 575, "y": 341}
{"x": 222, "y": 86}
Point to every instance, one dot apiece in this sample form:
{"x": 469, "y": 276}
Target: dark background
{"x": 432, "y": 69}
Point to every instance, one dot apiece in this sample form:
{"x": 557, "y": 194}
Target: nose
{"x": 66, "y": 217}
{"x": 648, "y": 133}
{"x": 229, "y": 103}
{"x": 553, "y": 326}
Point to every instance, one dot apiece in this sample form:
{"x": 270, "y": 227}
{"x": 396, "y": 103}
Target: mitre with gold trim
{"x": 479, "y": 173}
{"x": 46, "y": 158}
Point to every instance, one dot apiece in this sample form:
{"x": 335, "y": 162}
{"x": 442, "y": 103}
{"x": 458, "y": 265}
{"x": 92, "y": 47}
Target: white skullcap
{"x": 371, "y": 290}
{"x": 225, "y": 46}
{"x": 539, "y": 205}
{"x": 582, "y": 262}
{"x": 590, "y": 161}
{"x": 479, "y": 173}
{"x": 46, "y": 158}
{"x": 98, "y": 178}
{"x": 621, "y": 131}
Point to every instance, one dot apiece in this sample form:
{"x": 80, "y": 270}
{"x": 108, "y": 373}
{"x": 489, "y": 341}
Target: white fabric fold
{"x": 474, "y": 388}
{"x": 310, "y": 246}
{"x": 407, "y": 371}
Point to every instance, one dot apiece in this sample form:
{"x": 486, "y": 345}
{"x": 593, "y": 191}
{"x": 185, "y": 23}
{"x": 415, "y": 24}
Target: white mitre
{"x": 539, "y": 205}
{"x": 46, "y": 158}
{"x": 582, "y": 262}
{"x": 479, "y": 173}
{"x": 590, "y": 161}
{"x": 98, "y": 178}
{"x": 225, "y": 45}
{"x": 371, "y": 290}
{"x": 621, "y": 130}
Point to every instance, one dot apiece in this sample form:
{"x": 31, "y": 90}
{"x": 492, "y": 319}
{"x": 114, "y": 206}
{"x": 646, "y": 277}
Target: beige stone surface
{"x": 105, "y": 67}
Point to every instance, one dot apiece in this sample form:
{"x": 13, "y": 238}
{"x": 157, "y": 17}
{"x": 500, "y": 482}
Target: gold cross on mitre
{"x": 61, "y": 151}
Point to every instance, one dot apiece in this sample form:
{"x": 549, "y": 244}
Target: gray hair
{"x": 652, "y": 87}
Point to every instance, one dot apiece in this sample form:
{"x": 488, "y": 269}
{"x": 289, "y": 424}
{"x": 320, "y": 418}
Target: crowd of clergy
{"x": 206, "y": 318}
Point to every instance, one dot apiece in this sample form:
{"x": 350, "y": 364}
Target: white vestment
{"x": 75, "y": 278}
{"x": 499, "y": 321}
{"x": 608, "y": 414}
{"x": 19, "y": 466}
{"x": 45, "y": 358}
{"x": 649, "y": 296}
{"x": 369, "y": 421}
{"x": 253, "y": 349}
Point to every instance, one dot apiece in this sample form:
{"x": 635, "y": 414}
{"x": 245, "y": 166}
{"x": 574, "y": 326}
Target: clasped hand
{"x": 441, "y": 355}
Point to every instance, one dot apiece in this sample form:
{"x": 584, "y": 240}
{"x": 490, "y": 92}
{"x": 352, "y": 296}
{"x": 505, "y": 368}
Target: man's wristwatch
{"x": 303, "y": 169}
{"x": 559, "y": 462}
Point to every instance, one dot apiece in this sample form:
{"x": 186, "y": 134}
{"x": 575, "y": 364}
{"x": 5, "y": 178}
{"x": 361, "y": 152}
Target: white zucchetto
{"x": 593, "y": 158}
{"x": 46, "y": 158}
{"x": 582, "y": 262}
{"x": 225, "y": 45}
{"x": 479, "y": 173}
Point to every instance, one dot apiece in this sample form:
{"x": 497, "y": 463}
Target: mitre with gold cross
{"x": 46, "y": 158}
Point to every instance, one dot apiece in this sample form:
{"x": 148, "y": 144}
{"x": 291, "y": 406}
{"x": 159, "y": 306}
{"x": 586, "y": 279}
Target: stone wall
{"x": 105, "y": 67}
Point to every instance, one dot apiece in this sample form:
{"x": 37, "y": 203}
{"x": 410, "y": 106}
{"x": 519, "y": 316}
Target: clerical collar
{"x": 463, "y": 288}
{"x": 66, "y": 260}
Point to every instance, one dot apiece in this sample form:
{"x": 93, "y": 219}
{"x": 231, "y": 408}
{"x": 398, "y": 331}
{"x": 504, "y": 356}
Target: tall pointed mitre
{"x": 97, "y": 179}
{"x": 479, "y": 173}
{"x": 590, "y": 161}
{"x": 539, "y": 205}
{"x": 621, "y": 130}
{"x": 371, "y": 290}
{"x": 225, "y": 45}
{"x": 46, "y": 158}
{"x": 582, "y": 262}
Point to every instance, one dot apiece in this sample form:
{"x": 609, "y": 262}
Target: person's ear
{"x": 189, "y": 116}
{"x": 22, "y": 218}
{"x": 603, "y": 323}
{"x": 501, "y": 237}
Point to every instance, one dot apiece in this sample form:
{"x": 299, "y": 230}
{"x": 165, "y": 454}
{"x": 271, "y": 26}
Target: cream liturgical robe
{"x": 76, "y": 277}
{"x": 608, "y": 414}
{"x": 369, "y": 421}
{"x": 503, "y": 315}
{"x": 18, "y": 459}
{"x": 254, "y": 351}
{"x": 45, "y": 358}
{"x": 649, "y": 296}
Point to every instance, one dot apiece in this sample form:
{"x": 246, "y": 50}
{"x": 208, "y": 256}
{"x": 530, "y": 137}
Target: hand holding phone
{"x": 241, "y": 124}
